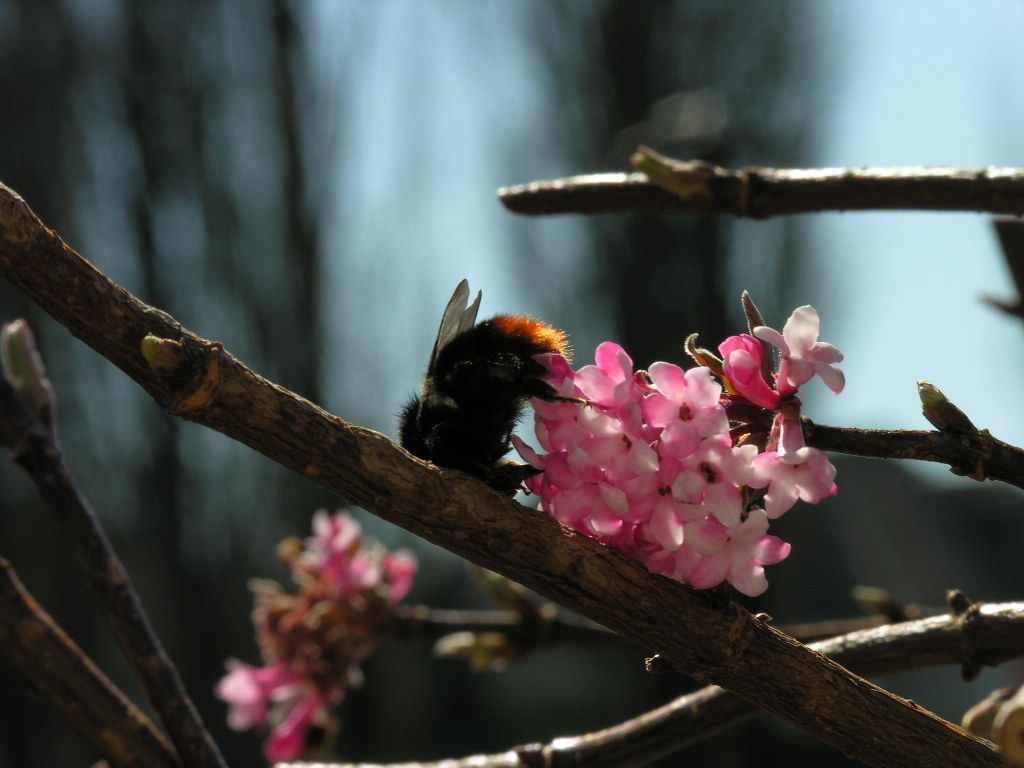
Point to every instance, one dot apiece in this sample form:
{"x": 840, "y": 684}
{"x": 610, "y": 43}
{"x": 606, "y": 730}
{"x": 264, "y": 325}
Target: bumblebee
{"x": 478, "y": 382}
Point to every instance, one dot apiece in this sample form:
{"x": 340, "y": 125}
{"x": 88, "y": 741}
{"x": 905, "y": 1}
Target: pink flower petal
{"x": 666, "y": 529}
{"x": 742, "y": 356}
{"x": 803, "y": 356}
{"x": 288, "y": 740}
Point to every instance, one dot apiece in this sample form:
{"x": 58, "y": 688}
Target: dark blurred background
{"x": 307, "y": 182}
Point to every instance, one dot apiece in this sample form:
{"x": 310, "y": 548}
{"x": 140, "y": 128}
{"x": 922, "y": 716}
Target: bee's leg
{"x": 538, "y": 388}
{"x": 509, "y": 476}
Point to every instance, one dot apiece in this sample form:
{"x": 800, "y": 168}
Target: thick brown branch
{"x": 84, "y": 698}
{"x": 728, "y": 647}
{"x": 761, "y": 193}
{"x": 979, "y": 455}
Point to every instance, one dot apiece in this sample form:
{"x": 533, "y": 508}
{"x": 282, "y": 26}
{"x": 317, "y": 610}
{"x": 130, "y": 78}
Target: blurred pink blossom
{"x": 314, "y": 640}
{"x": 257, "y": 695}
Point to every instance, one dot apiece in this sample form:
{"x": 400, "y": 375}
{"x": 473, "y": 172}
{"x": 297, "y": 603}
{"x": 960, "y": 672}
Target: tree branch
{"x": 84, "y": 698}
{"x": 978, "y": 455}
{"x": 198, "y": 380}
{"x": 761, "y": 193}
{"x": 988, "y": 634}
{"x": 33, "y": 446}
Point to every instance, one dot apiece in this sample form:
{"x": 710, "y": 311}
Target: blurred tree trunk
{"x": 720, "y": 82}
{"x": 39, "y": 143}
{"x": 126, "y": 130}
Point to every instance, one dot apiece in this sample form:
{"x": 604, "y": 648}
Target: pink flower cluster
{"x": 648, "y": 463}
{"x": 312, "y": 642}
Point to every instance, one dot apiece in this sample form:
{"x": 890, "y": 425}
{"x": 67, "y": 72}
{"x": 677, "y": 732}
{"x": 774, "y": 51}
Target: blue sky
{"x": 931, "y": 83}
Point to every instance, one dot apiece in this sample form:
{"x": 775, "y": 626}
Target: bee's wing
{"x": 458, "y": 317}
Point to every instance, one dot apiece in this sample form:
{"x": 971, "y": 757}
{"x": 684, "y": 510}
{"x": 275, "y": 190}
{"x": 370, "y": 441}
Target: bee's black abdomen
{"x": 478, "y": 383}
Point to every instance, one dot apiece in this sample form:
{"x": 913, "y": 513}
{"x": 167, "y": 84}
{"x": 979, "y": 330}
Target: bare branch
{"x": 197, "y": 380}
{"x": 979, "y": 456}
{"x": 33, "y": 446}
{"x": 761, "y": 193}
{"x": 992, "y": 634}
{"x": 85, "y": 699}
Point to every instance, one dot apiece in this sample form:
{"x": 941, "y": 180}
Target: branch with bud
{"x": 667, "y": 185}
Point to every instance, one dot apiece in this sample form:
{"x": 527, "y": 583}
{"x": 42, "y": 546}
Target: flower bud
{"x": 23, "y": 368}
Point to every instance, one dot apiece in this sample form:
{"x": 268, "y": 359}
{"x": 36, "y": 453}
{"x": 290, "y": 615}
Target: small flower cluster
{"x": 313, "y": 641}
{"x": 649, "y": 463}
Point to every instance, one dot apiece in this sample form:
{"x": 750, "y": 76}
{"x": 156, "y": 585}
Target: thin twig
{"x": 555, "y": 627}
{"x": 196, "y": 379}
{"x": 979, "y": 456}
{"x": 34, "y": 447}
{"x": 761, "y": 193}
{"x": 83, "y": 696}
